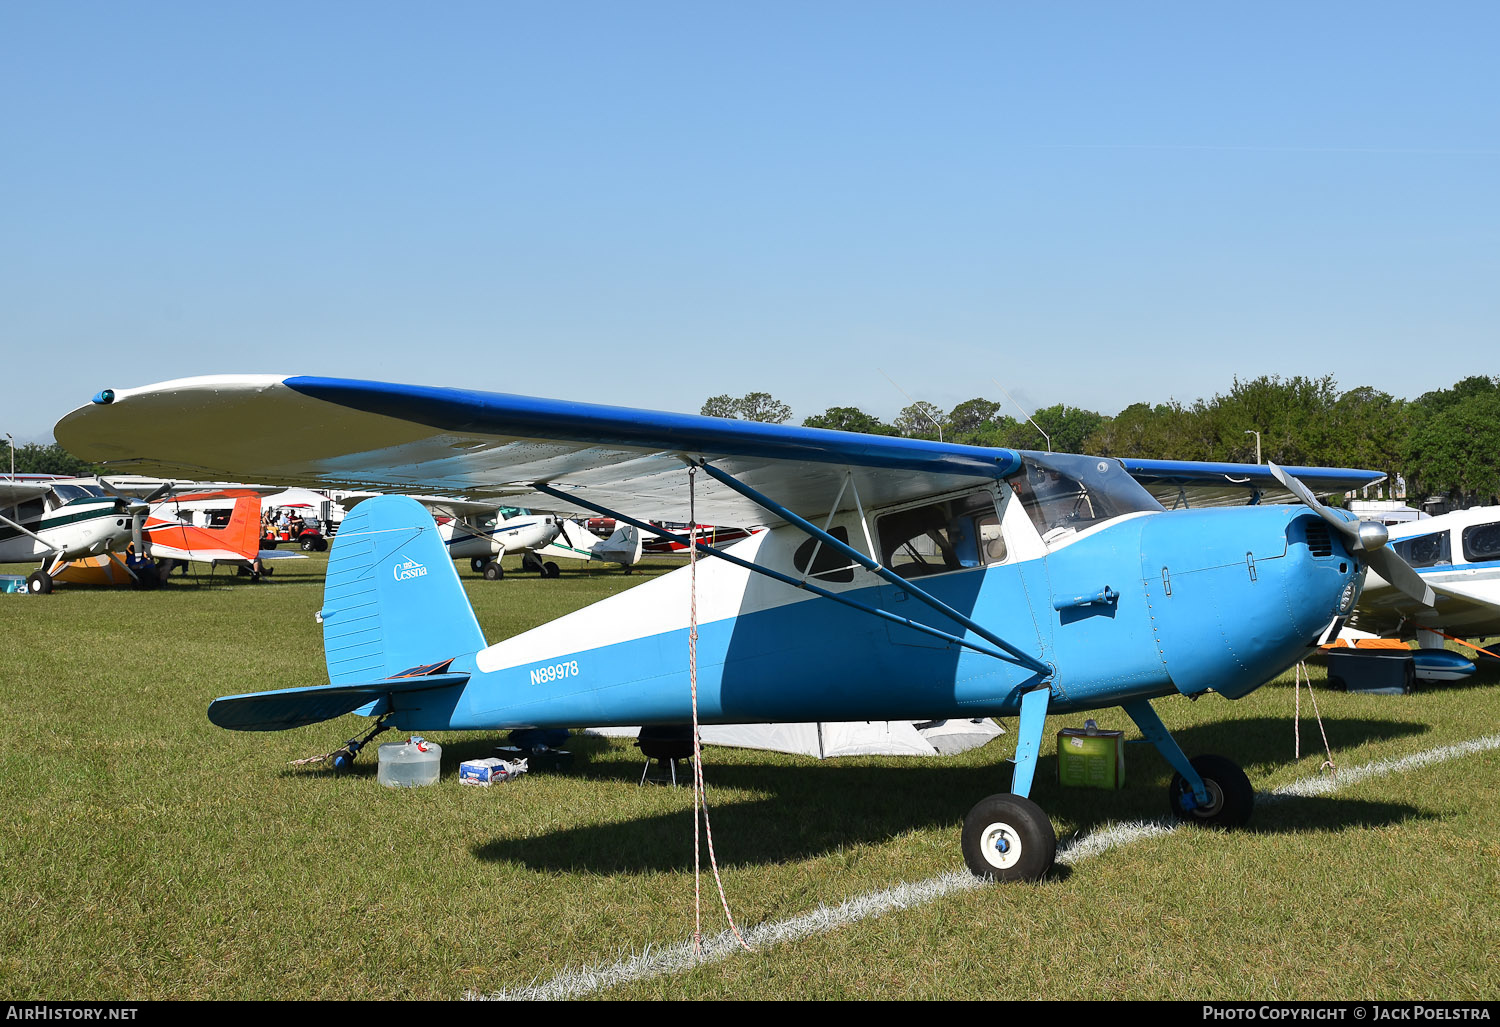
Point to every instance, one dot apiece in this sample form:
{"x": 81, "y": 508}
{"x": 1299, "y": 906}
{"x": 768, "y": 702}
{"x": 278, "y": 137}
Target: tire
{"x": 477, "y": 564}
{"x": 1232, "y": 799}
{"x": 493, "y": 571}
{"x": 551, "y": 570}
{"x": 1008, "y": 838}
{"x": 39, "y": 583}
{"x": 309, "y": 545}
{"x": 531, "y": 562}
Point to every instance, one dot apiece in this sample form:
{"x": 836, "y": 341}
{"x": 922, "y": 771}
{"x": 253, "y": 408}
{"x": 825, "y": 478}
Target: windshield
{"x": 1060, "y": 491}
{"x": 69, "y": 493}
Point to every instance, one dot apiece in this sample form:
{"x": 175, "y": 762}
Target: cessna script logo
{"x": 409, "y": 569}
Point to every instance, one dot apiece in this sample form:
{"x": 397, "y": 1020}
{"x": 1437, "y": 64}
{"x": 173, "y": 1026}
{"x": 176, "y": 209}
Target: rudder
{"x": 392, "y": 600}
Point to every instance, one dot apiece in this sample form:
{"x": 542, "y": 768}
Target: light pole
{"x": 1252, "y": 431}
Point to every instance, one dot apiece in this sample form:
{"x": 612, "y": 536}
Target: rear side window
{"x": 1482, "y": 542}
{"x": 947, "y": 536}
{"x": 1425, "y": 550}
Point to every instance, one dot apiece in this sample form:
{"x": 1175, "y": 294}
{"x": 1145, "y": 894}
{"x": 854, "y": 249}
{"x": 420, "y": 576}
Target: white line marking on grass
{"x": 656, "y": 962}
{"x": 1380, "y": 768}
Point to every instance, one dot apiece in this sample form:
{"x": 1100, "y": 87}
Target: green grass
{"x": 147, "y": 854}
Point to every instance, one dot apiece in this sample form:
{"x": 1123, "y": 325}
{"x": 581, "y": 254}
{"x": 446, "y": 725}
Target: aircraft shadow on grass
{"x": 816, "y": 810}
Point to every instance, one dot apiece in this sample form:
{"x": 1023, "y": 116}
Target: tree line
{"x": 1444, "y": 443}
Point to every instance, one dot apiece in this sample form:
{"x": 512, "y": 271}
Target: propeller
{"x": 138, "y": 509}
{"x": 1366, "y": 539}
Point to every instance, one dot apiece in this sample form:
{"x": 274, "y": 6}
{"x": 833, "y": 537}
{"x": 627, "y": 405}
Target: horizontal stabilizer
{"x": 296, "y": 707}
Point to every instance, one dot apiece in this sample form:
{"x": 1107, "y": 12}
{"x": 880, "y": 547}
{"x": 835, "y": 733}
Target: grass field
{"x": 147, "y": 854}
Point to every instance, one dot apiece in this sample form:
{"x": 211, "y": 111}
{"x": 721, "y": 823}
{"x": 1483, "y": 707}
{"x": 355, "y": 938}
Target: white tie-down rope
{"x": 700, "y": 798}
{"x": 1297, "y": 720}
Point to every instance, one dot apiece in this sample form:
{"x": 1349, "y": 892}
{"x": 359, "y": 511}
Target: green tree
{"x": 35, "y": 458}
{"x": 754, "y": 406}
{"x": 848, "y": 419}
{"x": 1454, "y": 443}
{"x": 970, "y": 416}
{"x": 720, "y": 406}
{"x": 921, "y": 420}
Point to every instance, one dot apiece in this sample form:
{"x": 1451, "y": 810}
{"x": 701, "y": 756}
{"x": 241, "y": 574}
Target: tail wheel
{"x": 1008, "y": 838}
{"x": 1231, "y": 799}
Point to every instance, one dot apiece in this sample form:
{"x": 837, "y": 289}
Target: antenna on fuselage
{"x": 1028, "y": 416}
{"x": 914, "y": 404}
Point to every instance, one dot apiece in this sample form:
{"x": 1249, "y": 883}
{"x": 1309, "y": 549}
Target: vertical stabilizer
{"x": 392, "y": 600}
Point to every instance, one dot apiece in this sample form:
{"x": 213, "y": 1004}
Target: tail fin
{"x": 623, "y": 547}
{"x": 392, "y": 600}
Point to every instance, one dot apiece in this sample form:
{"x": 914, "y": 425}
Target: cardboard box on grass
{"x": 1090, "y": 758}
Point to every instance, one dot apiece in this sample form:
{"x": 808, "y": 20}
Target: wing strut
{"x": 870, "y": 565}
{"x": 573, "y": 499}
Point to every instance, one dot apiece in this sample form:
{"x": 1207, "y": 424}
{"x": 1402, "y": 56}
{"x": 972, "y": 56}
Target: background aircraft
{"x": 898, "y": 578}
{"x": 483, "y": 532}
{"x": 188, "y": 523}
{"x": 55, "y": 520}
{"x": 1458, "y": 555}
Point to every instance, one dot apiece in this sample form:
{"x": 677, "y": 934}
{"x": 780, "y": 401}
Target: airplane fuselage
{"x": 83, "y": 527}
{"x": 1221, "y": 599}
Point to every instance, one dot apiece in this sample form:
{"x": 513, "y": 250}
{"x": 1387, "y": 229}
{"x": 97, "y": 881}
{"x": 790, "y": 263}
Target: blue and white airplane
{"x": 899, "y": 578}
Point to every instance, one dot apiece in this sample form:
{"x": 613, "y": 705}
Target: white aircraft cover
{"x": 845, "y": 738}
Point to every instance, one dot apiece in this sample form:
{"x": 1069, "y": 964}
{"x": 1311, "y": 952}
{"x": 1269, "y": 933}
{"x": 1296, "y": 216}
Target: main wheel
{"x": 1230, "y": 797}
{"x": 493, "y": 571}
{"x": 477, "y": 564}
{"x": 550, "y": 570}
{"x": 39, "y": 583}
{"x": 1008, "y": 838}
{"x": 531, "y": 562}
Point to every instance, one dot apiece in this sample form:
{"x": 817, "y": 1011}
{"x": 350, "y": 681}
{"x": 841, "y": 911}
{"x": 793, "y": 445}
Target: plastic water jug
{"x": 409, "y": 764}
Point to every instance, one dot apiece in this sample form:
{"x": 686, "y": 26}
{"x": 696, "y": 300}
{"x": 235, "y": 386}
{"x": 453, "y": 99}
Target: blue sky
{"x": 652, "y": 203}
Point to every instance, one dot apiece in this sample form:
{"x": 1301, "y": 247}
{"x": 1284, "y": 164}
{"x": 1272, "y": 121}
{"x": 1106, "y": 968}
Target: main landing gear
{"x": 532, "y": 562}
{"x": 1009, "y": 838}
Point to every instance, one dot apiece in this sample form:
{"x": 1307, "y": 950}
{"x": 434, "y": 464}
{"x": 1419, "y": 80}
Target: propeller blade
{"x": 1400, "y": 574}
{"x": 1349, "y": 529}
{"x": 1365, "y": 537}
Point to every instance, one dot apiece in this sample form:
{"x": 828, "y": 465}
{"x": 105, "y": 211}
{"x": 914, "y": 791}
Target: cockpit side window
{"x": 949, "y": 535}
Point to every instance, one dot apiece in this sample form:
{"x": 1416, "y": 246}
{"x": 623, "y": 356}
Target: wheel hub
{"x": 1001, "y": 845}
{"x": 1215, "y": 799}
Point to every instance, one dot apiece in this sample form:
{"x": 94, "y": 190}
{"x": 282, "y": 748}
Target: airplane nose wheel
{"x": 1230, "y": 796}
{"x": 1008, "y": 838}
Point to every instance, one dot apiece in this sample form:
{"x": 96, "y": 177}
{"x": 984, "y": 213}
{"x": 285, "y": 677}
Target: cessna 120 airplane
{"x": 898, "y": 578}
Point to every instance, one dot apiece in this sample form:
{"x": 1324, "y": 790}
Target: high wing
{"x": 339, "y": 432}
{"x": 1192, "y": 483}
{"x": 14, "y": 492}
